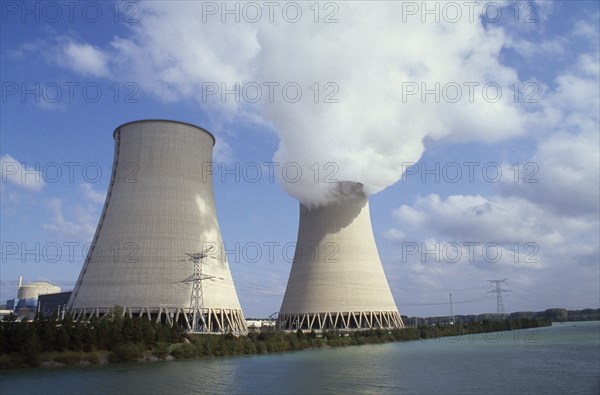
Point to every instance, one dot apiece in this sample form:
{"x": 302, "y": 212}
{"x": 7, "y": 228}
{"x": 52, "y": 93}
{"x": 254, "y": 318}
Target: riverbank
{"x": 561, "y": 359}
{"x": 128, "y": 339}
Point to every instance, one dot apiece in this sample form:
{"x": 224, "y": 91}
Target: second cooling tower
{"x": 159, "y": 207}
{"x": 337, "y": 280}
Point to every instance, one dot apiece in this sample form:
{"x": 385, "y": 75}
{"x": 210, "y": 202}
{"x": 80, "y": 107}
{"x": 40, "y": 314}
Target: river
{"x": 561, "y": 359}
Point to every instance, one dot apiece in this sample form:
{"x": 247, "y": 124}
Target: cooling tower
{"x": 337, "y": 280}
{"x": 159, "y": 207}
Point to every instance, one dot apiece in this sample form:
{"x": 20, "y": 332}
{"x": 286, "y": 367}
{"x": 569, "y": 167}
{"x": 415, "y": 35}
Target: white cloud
{"x": 20, "y": 174}
{"x": 80, "y": 228}
{"x": 466, "y": 239}
{"x": 532, "y": 50}
{"x": 408, "y": 216}
{"x": 368, "y": 70}
{"x": 91, "y": 195}
{"x": 503, "y": 220}
{"x": 84, "y": 59}
{"x": 536, "y": 39}
{"x": 587, "y": 31}
{"x": 564, "y": 170}
{"x": 548, "y": 214}
{"x": 66, "y": 51}
{"x": 562, "y": 175}
{"x": 77, "y": 221}
{"x": 394, "y": 234}
{"x": 223, "y": 152}
{"x": 27, "y": 48}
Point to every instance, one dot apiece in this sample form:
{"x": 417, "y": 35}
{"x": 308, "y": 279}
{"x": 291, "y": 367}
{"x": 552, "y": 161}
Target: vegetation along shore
{"x": 117, "y": 338}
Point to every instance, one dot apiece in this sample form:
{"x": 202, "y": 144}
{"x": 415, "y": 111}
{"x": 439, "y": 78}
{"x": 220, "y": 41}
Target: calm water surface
{"x": 562, "y": 359}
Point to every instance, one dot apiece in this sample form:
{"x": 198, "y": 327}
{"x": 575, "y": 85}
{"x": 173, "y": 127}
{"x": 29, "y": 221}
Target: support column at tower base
{"x": 344, "y": 321}
{"x": 218, "y": 321}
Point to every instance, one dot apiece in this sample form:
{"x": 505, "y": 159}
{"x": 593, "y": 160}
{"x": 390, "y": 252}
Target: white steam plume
{"x": 371, "y": 58}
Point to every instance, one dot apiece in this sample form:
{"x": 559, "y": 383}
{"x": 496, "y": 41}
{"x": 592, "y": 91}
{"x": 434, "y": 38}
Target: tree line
{"x": 117, "y": 337}
{"x": 554, "y": 314}
{"x": 276, "y": 341}
{"x": 22, "y": 343}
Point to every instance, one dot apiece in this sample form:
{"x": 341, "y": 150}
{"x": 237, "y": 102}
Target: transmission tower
{"x": 498, "y": 291}
{"x": 196, "y": 321}
{"x": 451, "y": 309}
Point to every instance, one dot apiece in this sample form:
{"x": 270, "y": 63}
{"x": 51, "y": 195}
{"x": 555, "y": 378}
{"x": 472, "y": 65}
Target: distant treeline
{"x": 554, "y": 315}
{"x": 116, "y": 338}
{"x": 562, "y": 315}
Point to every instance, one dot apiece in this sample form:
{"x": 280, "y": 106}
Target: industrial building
{"x": 260, "y": 324}
{"x": 337, "y": 279}
{"x": 158, "y": 237}
{"x": 25, "y": 305}
{"x": 53, "y": 304}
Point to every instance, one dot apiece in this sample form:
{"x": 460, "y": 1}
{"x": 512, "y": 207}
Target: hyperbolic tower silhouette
{"x": 337, "y": 280}
{"x": 159, "y": 207}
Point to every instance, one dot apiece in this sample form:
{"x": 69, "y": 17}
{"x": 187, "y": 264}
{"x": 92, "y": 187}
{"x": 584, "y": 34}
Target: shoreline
{"x": 269, "y": 342}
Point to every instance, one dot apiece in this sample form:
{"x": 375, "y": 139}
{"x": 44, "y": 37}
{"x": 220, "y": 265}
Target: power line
{"x": 474, "y": 300}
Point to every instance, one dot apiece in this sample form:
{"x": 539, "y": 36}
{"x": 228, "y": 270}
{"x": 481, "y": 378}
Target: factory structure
{"x": 157, "y": 251}
{"x": 337, "y": 280}
{"x": 25, "y": 305}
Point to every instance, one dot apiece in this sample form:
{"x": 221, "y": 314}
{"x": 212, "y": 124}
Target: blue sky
{"x": 503, "y": 187}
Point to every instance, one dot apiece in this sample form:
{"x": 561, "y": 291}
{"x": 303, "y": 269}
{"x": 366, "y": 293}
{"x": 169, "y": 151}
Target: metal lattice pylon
{"x": 498, "y": 291}
{"x": 196, "y": 320}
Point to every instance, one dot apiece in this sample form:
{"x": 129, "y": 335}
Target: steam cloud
{"x": 370, "y": 55}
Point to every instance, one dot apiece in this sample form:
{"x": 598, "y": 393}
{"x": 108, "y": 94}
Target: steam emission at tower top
{"x": 361, "y": 90}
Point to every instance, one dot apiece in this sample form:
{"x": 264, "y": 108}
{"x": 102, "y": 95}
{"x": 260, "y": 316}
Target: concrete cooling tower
{"x": 159, "y": 207}
{"x": 337, "y": 280}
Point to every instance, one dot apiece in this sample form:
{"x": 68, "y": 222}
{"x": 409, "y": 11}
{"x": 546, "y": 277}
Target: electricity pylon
{"x": 196, "y": 321}
{"x": 498, "y": 291}
{"x": 451, "y": 309}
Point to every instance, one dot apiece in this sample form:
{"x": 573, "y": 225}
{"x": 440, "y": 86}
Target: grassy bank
{"x": 52, "y": 342}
